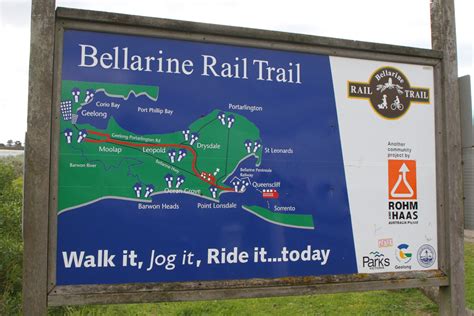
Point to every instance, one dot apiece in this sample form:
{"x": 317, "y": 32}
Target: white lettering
{"x": 90, "y": 55}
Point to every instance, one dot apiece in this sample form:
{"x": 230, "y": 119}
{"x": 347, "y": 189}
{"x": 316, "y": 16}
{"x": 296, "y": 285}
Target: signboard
{"x": 193, "y": 161}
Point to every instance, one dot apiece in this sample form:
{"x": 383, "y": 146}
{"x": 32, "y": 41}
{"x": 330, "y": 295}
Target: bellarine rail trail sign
{"x": 172, "y": 147}
{"x": 192, "y": 161}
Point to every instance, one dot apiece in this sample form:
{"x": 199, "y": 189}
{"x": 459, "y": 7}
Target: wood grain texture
{"x": 443, "y": 38}
{"x": 37, "y": 158}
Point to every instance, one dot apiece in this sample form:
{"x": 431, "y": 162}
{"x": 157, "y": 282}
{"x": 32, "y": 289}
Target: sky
{"x": 402, "y": 22}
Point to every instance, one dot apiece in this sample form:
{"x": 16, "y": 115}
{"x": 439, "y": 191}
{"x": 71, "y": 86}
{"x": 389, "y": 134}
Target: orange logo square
{"x": 402, "y": 179}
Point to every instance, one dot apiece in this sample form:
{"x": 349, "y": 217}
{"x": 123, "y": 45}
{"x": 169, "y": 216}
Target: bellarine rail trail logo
{"x": 389, "y": 92}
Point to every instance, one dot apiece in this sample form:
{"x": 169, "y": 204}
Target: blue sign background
{"x": 301, "y": 116}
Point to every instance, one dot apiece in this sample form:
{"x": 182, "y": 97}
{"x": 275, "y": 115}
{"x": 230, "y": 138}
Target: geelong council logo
{"x": 389, "y": 92}
{"x": 403, "y": 254}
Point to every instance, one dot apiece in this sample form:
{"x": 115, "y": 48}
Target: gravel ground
{"x": 469, "y": 235}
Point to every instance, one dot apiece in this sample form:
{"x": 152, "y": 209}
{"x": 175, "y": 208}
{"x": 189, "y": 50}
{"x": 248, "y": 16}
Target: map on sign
{"x": 200, "y": 160}
{"x": 187, "y": 161}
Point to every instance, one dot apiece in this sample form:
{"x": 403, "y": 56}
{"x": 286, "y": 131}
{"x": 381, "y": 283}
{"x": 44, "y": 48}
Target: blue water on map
{"x": 298, "y": 116}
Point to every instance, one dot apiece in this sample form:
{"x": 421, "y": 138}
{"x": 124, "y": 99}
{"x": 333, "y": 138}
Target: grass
{"x": 469, "y": 273}
{"x": 402, "y": 302}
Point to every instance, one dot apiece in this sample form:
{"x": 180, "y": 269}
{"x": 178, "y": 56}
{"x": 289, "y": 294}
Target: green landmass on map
{"x": 87, "y": 174}
{"x": 113, "y": 162}
{"x": 290, "y": 220}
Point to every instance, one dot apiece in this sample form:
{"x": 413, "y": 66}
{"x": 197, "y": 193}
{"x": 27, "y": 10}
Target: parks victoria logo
{"x": 389, "y": 92}
{"x": 375, "y": 261}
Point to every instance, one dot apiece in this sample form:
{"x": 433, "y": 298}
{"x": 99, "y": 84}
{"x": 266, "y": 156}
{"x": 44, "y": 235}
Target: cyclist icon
{"x": 396, "y": 105}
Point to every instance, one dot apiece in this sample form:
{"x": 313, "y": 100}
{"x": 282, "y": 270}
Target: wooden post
{"x": 443, "y": 38}
{"x": 37, "y": 158}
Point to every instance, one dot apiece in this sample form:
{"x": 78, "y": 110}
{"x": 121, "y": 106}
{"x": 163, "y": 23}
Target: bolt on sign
{"x": 211, "y": 160}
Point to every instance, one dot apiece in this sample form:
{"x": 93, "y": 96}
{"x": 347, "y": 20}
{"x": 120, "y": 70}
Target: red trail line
{"x": 121, "y": 142}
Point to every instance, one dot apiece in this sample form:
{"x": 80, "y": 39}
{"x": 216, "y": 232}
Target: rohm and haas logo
{"x": 389, "y": 92}
{"x": 402, "y": 192}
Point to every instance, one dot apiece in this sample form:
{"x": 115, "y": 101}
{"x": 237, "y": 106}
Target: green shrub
{"x": 15, "y": 162}
{"x": 11, "y": 245}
